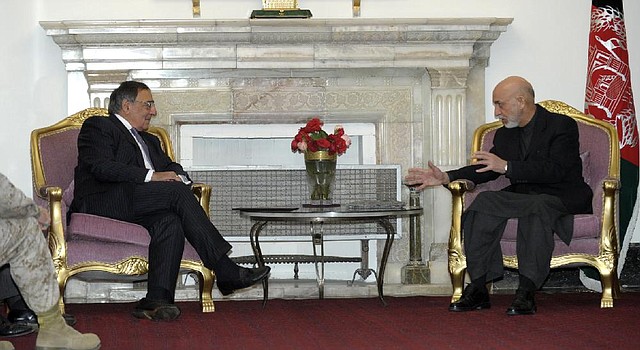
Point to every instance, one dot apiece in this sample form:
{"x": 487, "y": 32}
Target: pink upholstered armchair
{"x": 90, "y": 242}
{"x": 595, "y": 237}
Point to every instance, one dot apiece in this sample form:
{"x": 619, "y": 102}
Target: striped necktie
{"x": 145, "y": 149}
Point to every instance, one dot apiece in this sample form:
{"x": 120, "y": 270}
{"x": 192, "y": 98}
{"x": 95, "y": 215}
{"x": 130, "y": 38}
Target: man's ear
{"x": 126, "y": 106}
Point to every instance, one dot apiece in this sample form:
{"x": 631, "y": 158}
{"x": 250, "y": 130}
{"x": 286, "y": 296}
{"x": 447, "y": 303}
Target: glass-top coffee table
{"x": 318, "y": 216}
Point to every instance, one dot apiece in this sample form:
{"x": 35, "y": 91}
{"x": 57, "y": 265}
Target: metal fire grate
{"x": 261, "y": 187}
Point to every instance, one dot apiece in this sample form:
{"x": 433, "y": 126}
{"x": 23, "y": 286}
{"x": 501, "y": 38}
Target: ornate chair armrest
{"x": 203, "y": 193}
{"x": 610, "y": 183}
{"x": 457, "y": 260}
{"x": 609, "y": 234}
{"x": 459, "y": 187}
{"x": 56, "y": 238}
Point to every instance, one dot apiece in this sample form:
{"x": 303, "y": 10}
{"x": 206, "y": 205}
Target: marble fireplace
{"x": 419, "y": 82}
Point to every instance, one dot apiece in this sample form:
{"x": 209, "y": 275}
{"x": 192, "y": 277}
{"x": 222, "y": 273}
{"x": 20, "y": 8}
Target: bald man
{"x": 538, "y": 151}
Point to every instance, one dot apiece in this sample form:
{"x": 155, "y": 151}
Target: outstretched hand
{"x": 423, "y": 178}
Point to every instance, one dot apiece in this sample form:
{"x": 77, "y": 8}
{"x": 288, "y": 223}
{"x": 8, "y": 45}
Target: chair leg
{"x": 457, "y": 271}
{"x": 207, "y": 278}
{"x": 610, "y": 288}
{"x": 62, "y": 285}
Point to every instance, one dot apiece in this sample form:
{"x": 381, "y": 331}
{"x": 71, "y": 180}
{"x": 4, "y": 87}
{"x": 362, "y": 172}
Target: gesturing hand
{"x": 423, "y": 178}
{"x": 490, "y": 161}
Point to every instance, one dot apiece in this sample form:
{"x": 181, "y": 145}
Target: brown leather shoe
{"x": 472, "y": 299}
{"x": 157, "y": 310}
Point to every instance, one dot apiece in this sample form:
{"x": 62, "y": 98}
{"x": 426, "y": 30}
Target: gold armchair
{"x": 89, "y": 242}
{"x": 595, "y": 239}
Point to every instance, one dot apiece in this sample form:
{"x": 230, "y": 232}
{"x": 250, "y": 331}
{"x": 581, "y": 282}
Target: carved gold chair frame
{"x": 605, "y": 261}
{"x": 133, "y": 265}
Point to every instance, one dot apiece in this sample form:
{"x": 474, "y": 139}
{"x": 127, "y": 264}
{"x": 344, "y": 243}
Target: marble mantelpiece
{"x": 421, "y": 81}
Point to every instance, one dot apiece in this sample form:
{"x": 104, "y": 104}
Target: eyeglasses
{"x": 149, "y": 104}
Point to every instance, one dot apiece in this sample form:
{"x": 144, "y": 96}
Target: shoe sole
{"x": 63, "y": 348}
{"x": 465, "y": 309}
{"x": 511, "y": 312}
{"x": 162, "y": 313}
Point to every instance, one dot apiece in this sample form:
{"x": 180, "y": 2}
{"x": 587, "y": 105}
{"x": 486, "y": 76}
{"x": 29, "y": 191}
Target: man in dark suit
{"x": 122, "y": 173}
{"x": 538, "y": 151}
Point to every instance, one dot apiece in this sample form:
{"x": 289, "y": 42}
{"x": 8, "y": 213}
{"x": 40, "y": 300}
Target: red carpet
{"x": 563, "y": 321}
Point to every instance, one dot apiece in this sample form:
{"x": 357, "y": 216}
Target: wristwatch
{"x": 506, "y": 167}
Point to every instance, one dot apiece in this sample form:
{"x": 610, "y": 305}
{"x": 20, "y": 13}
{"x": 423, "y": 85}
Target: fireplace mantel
{"x": 420, "y": 81}
{"x": 293, "y": 43}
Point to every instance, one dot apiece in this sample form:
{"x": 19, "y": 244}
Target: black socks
{"x": 481, "y": 284}
{"x": 226, "y": 269}
{"x": 16, "y": 303}
{"x": 526, "y": 284}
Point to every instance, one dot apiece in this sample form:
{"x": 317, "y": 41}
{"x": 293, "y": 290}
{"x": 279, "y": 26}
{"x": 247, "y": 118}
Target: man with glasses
{"x": 122, "y": 173}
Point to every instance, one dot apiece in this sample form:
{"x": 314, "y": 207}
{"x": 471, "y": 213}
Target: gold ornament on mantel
{"x": 280, "y": 9}
{"x": 196, "y": 8}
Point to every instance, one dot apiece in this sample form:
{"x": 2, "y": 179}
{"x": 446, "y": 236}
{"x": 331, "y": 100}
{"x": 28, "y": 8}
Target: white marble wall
{"x": 419, "y": 80}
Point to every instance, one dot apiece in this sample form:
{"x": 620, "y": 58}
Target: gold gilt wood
{"x": 134, "y": 265}
{"x": 606, "y": 259}
{"x": 356, "y": 8}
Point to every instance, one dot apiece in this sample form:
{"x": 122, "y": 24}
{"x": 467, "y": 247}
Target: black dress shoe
{"x": 26, "y": 317}
{"x": 248, "y": 277}
{"x": 523, "y": 304}
{"x": 472, "y": 298}
{"x": 8, "y": 329}
{"x": 157, "y": 310}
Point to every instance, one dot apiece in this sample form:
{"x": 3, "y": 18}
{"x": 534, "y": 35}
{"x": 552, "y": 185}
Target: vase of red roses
{"x": 321, "y": 151}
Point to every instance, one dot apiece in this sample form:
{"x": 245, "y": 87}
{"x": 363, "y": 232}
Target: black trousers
{"x": 8, "y": 288}
{"x": 171, "y": 213}
{"x": 539, "y": 216}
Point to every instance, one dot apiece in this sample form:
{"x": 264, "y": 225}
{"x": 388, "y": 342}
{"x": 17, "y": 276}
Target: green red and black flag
{"x": 609, "y": 97}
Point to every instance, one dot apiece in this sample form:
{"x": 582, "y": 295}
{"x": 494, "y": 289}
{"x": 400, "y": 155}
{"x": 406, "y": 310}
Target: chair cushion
{"x": 584, "y": 226}
{"x": 586, "y": 167}
{"x": 83, "y": 250}
{"x": 67, "y": 195}
{"x": 98, "y": 228}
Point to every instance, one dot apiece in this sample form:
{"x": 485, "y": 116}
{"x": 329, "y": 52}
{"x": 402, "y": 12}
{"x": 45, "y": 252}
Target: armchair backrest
{"x": 598, "y": 149}
{"x": 54, "y": 151}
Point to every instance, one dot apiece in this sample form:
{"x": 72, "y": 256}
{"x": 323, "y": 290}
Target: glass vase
{"x": 321, "y": 172}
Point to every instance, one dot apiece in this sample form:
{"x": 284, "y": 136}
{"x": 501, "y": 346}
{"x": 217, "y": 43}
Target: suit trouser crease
{"x": 539, "y": 216}
{"x": 171, "y": 214}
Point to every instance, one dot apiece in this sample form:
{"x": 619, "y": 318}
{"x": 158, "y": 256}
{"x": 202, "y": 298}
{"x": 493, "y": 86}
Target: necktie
{"x": 145, "y": 149}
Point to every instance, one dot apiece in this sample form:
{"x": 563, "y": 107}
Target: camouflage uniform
{"x": 23, "y": 246}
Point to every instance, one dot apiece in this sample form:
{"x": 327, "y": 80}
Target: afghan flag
{"x": 608, "y": 97}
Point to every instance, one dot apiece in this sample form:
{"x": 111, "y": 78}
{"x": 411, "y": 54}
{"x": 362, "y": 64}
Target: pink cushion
{"x": 67, "y": 195}
{"x": 98, "y": 228}
{"x": 83, "y": 250}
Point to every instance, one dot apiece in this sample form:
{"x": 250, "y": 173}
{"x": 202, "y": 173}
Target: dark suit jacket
{"x": 551, "y": 166}
{"x": 110, "y": 164}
